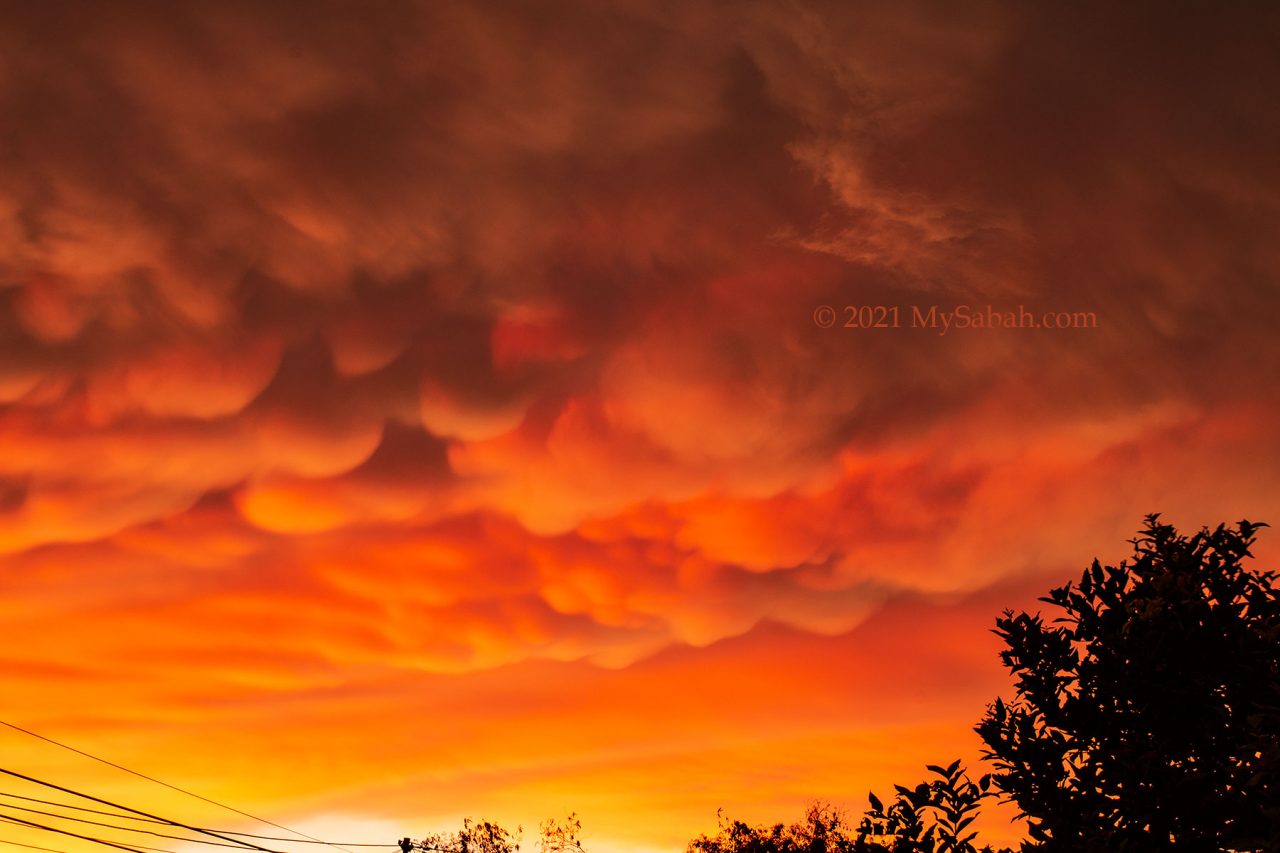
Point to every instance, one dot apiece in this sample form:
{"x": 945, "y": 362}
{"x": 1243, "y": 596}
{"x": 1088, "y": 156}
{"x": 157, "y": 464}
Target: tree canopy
{"x": 932, "y": 817}
{"x": 1147, "y": 713}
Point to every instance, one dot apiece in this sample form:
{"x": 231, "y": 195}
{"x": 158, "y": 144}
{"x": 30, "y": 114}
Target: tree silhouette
{"x": 932, "y": 817}
{"x": 483, "y": 836}
{"x": 1147, "y": 715}
{"x": 824, "y": 830}
{"x": 475, "y": 837}
{"x": 557, "y": 837}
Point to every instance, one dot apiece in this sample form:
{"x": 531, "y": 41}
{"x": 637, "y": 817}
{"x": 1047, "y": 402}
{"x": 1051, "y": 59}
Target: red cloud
{"x": 441, "y": 384}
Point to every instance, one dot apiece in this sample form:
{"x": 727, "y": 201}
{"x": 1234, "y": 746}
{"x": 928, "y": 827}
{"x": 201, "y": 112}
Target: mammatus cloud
{"x": 461, "y": 359}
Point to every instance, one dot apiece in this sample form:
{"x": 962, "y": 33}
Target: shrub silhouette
{"x": 483, "y": 836}
{"x": 475, "y": 837}
{"x": 824, "y": 830}
{"x": 560, "y": 837}
{"x": 1147, "y": 715}
{"x": 932, "y": 817}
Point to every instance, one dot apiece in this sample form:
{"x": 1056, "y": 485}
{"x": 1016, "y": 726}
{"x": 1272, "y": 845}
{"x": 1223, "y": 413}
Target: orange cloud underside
{"x": 420, "y": 412}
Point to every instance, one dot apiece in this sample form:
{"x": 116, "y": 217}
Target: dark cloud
{"x": 368, "y": 342}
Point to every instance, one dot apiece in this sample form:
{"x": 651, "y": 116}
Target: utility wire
{"x": 22, "y": 822}
{"x": 139, "y": 847}
{"x": 124, "y": 828}
{"x": 171, "y": 787}
{"x": 81, "y": 808}
{"x": 87, "y": 838}
{"x": 29, "y": 846}
{"x": 343, "y": 846}
{"x": 156, "y": 849}
{"x": 136, "y": 811}
{"x": 165, "y": 823}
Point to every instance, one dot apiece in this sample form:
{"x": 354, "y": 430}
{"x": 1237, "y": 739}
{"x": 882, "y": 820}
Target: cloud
{"x": 354, "y": 357}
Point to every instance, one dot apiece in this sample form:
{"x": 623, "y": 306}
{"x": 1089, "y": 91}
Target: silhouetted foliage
{"x": 487, "y": 837}
{"x": 474, "y": 837}
{"x": 1147, "y": 714}
{"x": 824, "y": 830}
{"x": 933, "y": 817}
{"x": 557, "y": 837}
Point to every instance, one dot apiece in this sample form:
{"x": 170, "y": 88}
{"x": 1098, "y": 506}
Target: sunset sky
{"x": 413, "y": 410}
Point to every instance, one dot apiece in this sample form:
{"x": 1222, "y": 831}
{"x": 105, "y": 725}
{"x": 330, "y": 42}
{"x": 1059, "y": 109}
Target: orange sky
{"x": 416, "y": 410}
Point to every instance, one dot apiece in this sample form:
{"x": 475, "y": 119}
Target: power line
{"x": 237, "y": 845}
{"x": 29, "y": 846}
{"x": 135, "y": 811}
{"x": 22, "y": 822}
{"x": 156, "y": 849}
{"x": 343, "y": 846}
{"x": 173, "y": 787}
{"x": 80, "y": 808}
{"x": 123, "y": 828}
{"x": 165, "y": 823}
{"x": 87, "y": 838}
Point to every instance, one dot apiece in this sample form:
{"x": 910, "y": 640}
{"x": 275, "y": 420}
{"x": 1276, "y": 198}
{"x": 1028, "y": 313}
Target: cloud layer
{"x": 351, "y": 356}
